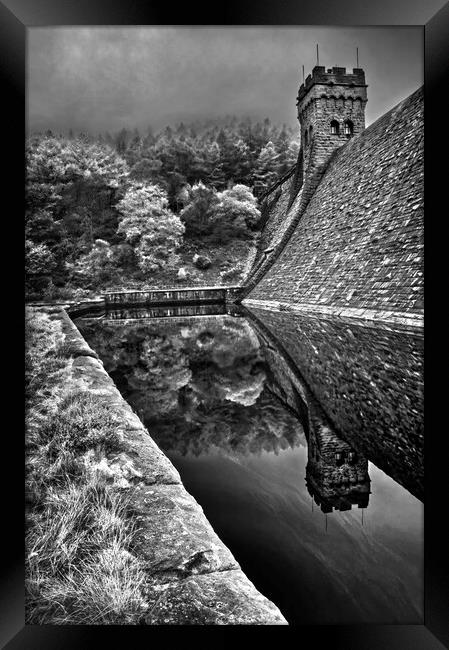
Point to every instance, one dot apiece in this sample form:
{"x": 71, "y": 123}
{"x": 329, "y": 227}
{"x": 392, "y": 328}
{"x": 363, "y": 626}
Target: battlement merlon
{"x": 332, "y": 77}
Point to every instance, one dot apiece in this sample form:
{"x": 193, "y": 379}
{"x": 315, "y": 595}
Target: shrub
{"x": 198, "y": 210}
{"x": 96, "y": 266}
{"x": 202, "y": 261}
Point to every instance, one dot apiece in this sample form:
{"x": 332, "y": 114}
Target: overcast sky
{"x": 106, "y": 78}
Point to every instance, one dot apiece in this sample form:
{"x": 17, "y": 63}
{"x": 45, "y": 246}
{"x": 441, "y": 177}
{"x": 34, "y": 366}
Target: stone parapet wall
{"x": 192, "y": 577}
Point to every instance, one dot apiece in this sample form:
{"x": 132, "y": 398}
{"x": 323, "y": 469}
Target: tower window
{"x": 348, "y": 127}
{"x": 310, "y": 133}
{"x": 335, "y": 127}
{"x": 339, "y": 458}
{"x": 306, "y": 137}
{"x": 352, "y": 457}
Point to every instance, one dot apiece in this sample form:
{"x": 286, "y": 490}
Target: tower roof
{"x": 332, "y": 76}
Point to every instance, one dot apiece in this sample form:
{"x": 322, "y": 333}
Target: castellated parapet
{"x": 331, "y": 110}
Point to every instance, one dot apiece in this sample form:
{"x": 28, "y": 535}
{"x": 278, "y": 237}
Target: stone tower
{"x": 331, "y": 109}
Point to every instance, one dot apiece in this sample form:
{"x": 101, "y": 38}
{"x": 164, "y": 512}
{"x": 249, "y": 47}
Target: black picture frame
{"x": 18, "y": 15}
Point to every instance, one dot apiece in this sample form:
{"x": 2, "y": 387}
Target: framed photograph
{"x": 223, "y": 220}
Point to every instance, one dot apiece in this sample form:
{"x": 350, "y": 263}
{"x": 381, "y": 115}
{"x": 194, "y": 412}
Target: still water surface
{"x": 287, "y": 480}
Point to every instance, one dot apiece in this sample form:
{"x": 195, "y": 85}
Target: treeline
{"x": 255, "y": 154}
{"x": 100, "y": 209}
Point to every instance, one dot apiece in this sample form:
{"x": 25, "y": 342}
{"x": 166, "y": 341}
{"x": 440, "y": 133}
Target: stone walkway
{"x": 192, "y": 576}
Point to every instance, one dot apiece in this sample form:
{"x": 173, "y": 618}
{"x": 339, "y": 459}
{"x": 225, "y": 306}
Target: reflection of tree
{"x": 155, "y": 381}
{"x": 231, "y": 427}
{"x": 230, "y": 367}
{"x": 148, "y": 367}
{"x": 197, "y": 384}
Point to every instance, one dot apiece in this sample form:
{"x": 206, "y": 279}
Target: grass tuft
{"x": 80, "y": 570}
{"x": 79, "y": 566}
{"x": 82, "y": 422}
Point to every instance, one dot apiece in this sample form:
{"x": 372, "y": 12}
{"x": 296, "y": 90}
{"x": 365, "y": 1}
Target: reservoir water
{"x": 300, "y": 437}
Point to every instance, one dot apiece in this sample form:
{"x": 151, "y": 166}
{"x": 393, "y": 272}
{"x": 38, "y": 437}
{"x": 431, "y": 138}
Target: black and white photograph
{"x": 224, "y": 288}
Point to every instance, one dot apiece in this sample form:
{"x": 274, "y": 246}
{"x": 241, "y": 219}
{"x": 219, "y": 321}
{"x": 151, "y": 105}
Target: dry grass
{"x": 44, "y": 365}
{"x": 79, "y": 567}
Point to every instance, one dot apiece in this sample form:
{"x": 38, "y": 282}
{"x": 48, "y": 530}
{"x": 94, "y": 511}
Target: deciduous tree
{"x": 149, "y": 226}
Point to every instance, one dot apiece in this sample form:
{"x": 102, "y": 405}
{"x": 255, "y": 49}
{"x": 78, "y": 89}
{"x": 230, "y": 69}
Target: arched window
{"x": 348, "y": 127}
{"x": 335, "y": 127}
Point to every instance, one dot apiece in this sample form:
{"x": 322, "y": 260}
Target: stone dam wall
{"x": 358, "y": 244}
{"x": 192, "y": 577}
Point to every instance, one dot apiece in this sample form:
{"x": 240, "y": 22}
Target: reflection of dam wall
{"x": 336, "y": 474}
{"x": 368, "y": 380}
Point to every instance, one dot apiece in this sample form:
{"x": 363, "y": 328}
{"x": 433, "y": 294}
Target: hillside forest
{"x": 133, "y": 211}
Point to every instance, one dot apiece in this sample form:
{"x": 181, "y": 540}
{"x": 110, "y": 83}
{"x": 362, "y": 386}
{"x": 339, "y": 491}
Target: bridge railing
{"x": 173, "y": 296}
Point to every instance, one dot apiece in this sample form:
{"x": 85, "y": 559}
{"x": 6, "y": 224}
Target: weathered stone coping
{"x": 192, "y": 576}
{"x": 363, "y": 316}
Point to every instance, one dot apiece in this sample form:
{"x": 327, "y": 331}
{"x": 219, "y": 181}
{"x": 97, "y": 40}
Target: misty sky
{"x": 106, "y": 78}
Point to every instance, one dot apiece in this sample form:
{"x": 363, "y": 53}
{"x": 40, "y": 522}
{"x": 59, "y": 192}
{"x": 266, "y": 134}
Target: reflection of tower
{"x": 336, "y": 475}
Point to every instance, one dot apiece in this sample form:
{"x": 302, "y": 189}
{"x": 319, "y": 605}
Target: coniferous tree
{"x": 266, "y": 168}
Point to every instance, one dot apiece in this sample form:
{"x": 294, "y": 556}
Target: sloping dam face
{"x": 358, "y": 242}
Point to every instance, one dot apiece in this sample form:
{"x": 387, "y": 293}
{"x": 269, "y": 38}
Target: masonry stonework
{"x": 357, "y": 240}
{"x": 331, "y": 109}
{"x": 368, "y": 379}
